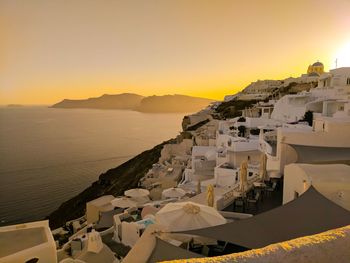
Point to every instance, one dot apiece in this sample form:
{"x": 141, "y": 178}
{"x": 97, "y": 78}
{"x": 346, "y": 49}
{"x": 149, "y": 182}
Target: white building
{"x": 27, "y": 242}
{"x": 329, "y": 98}
{"x": 203, "y": 161}
{"x": 260, "y": 89}
{"x": 332, "y": 180}
{"x": 206, "y": 135}
{"x": 326, "y": 142}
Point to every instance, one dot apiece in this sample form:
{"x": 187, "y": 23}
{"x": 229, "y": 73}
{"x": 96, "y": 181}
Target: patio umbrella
{"x": 263, "y": 171}
{"x": 123, "y": 202}
{"x": 173, "y": 192}
{"x": 137, "y": 192}
{"x": 183, "y": 216}
{"x": 140, "y": 200}
{"x": 210, "y": 195}
{"x": 243, "y": 176}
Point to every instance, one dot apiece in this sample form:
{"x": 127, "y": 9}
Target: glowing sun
{"x": 343, "y": 55}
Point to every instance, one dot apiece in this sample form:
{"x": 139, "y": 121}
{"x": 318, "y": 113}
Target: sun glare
{"x": 343, "y": 56}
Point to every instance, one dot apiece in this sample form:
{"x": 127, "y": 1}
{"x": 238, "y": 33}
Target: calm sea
{"x": 49, "y": 155}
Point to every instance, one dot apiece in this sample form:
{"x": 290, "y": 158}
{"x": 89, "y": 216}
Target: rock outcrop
{"x": 115, "y": 181}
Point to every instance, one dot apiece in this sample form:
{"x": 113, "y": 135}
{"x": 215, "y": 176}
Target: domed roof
{"x": 317, "y": 64}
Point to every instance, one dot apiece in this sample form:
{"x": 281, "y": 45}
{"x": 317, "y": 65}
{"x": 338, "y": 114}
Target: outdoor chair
{"x": 261, "y": 191}
{"x": 254, "y": 200}
{"x": 239, "y": 202}
{"x": 205, "y": 251}
{"x": 197, "y": 248}
{"x": 220, "y": 247}
{"x": 271, "y": 189}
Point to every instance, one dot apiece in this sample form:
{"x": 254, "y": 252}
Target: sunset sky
{"x": 51, "y": 50}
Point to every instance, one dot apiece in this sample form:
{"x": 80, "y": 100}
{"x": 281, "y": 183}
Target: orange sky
{"x": 50, "y": 50}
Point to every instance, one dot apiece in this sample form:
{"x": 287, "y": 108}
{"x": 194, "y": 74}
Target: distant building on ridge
{"x": 317, "y": 68}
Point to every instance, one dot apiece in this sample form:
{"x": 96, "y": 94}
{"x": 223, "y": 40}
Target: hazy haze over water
{"x": 49, "y": 155}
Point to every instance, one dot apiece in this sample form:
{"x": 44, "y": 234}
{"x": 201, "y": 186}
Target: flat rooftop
{"x": 20, "y": 239}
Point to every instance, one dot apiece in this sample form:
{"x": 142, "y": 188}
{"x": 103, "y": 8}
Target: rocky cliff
{"x": 115, "y": 181}
{"x": 173, "y": 103}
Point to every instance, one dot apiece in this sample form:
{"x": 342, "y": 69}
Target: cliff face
{"x": 173, "y": 103}
{"x": 125, "y": 101}
{"x": 115, "y": 181}
{"x": 233, "y": 108}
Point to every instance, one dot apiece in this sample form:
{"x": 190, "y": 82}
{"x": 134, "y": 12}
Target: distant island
{"x": 129, "y": 101}
{"x": 14, "y": 105}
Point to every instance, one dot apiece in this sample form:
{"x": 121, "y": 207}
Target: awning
{"x": 309, "y": 214}
{"x": 314, "y": 154}
{"x": 166, "y": 251}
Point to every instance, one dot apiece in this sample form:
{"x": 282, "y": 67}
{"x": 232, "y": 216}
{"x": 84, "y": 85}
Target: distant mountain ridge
{"x": 130, "y": 101}
{"x": 125, "y": 101}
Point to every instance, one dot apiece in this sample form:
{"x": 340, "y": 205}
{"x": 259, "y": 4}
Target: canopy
{"x": 184, "y": 216}
{"x": 173, "y": 192}
{"x": 309, "y": 214}
{"x": 314, "y": 154}
{"x": 123, "y": 202}
{"x": 137, "y": 192}
{"x": 165, "y": 251}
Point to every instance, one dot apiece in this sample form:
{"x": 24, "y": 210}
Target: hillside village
{"x": 265, "y": 169}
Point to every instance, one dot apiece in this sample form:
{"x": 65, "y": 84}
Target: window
{"x": 296, "y": 194}
{"x": 348, "y": 81}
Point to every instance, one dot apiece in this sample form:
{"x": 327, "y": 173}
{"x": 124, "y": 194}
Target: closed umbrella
{"x": 199, "y": 187}
{"x": 182, "y": 216}
{"x": 263, "y": 171}
{"x": 173, "y": 192}
{"x": 123, "y": 202}
{"x": 137, "y": 192}
{"x": 210, "y": 195}
{"x": 243, "y": 176}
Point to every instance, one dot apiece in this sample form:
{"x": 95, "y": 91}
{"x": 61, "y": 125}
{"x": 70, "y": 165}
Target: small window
{"x": 296, "y": 194}
{"x": 348, "y": 81}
